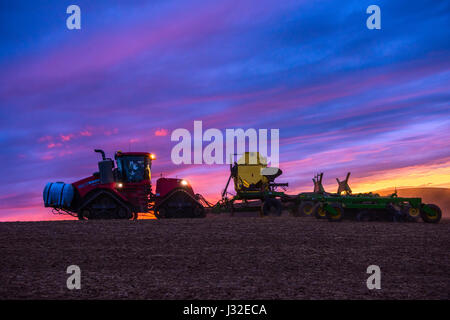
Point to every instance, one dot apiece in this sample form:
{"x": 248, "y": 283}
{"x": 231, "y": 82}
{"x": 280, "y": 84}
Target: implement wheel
{"x": 306, "y": 208}
{"x": 320, "y": 212}
{"x": 433, "y": 215}
{"x": 339, "y": 215}
{"x": 410, "y": 213}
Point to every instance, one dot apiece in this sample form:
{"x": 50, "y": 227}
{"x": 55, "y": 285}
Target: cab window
{"x": 134, "y": 169}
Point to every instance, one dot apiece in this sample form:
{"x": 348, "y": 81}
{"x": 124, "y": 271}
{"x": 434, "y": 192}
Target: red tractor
{"x": 122, "y": 191}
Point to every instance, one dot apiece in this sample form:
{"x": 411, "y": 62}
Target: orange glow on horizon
{"x": 434, "y": 175}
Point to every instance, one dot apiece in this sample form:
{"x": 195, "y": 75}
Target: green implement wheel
{"x": 306, "y": 208}
{"x": 410, "y": 213}
{"x": 320, "y": 212}
{"x": 431, "y": 213}
{"x": 335, "y": 212}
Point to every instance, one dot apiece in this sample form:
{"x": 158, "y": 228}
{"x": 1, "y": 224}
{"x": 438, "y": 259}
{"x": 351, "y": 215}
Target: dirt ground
{"x": 224, "y": 258}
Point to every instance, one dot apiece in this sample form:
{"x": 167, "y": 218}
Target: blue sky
{"x": 375, "y": 102}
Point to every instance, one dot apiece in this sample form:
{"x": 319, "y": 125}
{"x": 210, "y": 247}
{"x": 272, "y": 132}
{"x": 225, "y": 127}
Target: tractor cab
{"x": 133, "y": 167}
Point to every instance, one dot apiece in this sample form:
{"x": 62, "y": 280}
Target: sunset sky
{"x": 345, "y": 98}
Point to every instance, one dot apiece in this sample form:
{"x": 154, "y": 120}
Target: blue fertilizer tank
{"x": 58, "y": 195}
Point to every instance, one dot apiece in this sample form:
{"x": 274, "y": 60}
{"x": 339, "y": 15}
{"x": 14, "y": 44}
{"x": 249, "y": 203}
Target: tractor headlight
{"x": 184, "y": 182}
{"x": 152, "y": 156}
{"x": 119, "y": 185}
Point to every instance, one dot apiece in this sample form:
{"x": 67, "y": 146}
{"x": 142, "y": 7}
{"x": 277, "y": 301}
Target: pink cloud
{"x": 86, "y": 133}
{"x": 161, "y": 133}
{"x": 65, "y": 138}
{"x": 54, "y": 145}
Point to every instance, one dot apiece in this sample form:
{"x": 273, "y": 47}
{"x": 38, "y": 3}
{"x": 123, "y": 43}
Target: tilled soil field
{"x": 224, "y": 258}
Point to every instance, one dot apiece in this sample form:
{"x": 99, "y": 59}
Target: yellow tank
{"x": 248, "y": 175}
